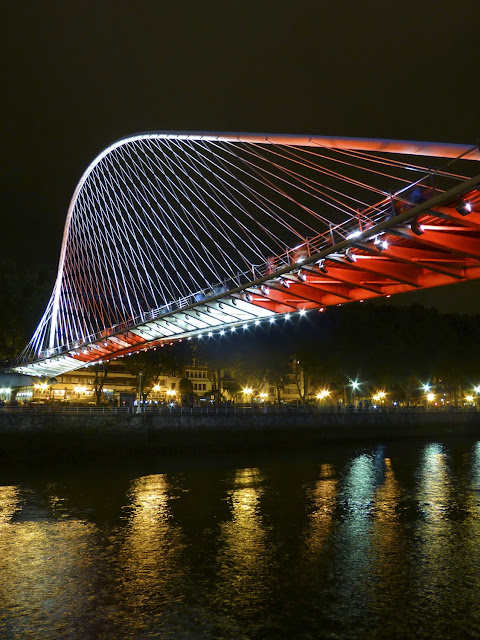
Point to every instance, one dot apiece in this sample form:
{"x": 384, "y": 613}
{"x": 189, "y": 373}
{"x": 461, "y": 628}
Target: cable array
{"x": 158, "y": 220}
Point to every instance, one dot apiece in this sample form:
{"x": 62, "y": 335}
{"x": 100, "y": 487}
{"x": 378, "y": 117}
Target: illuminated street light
{"x": 321, "y": 395}
{"x": 430, "y": 397}
{"x": 80, "y": 389}
{"x": 469, "y": 398}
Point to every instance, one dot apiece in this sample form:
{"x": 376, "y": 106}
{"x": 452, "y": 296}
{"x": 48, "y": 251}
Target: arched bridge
{"x": 172, "y": 235}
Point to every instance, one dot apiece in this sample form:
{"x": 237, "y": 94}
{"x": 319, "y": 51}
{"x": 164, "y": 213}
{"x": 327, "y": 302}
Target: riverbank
{"x": 32, "y": 435}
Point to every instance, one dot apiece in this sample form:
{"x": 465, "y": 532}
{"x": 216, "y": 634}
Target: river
{"x": 345, "y": 541}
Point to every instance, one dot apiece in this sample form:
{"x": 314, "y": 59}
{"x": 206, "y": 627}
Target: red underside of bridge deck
{"x": 445, "y": 250}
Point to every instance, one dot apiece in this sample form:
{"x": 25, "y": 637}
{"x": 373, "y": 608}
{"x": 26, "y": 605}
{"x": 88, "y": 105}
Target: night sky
{"x": 76, "y": 76}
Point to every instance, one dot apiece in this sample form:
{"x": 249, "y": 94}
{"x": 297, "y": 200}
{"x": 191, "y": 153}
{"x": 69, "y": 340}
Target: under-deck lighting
{"x": 464, "y": 208}
{"x": 351, "y": 257}
{"x": 380, "y": 244}
{"x": 321, "y": 265}
{"x": 417, "y": 228}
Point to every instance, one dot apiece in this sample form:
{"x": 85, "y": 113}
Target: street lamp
{"x": 139, "y": 406}
{"x": 355, "y": 386}
{"x": 247, "y": 391}
{"x": 323, "y": 394}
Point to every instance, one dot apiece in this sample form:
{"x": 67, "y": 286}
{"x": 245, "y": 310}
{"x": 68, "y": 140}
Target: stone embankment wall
{"x": 40, "y": 435}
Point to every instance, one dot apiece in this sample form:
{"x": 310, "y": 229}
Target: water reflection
{"x": 339, "y": 546}
{"x": 243, "y": 557}
{"x": 354, "y": 552}
{"x": 148, "y": 570}
{"x": 323, "y": 497}
{"x": 46, "y": 570}
{"x": 9, "y": 504}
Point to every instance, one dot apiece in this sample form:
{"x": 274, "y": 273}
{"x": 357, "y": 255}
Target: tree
{"x": 156, "y": 362}
{"x": 277, "y": 377}
{"x": 23, "y": 297}
{"x": 185, "y": 388}
{"x": 101, "y": 373}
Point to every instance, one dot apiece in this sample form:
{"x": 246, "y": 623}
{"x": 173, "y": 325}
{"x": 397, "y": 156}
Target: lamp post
{"x": 355, "y": 386}
{"x": 477, "y": 391}
{"x": 247, "y": 391}
{"x": 430, "y": 398}
{"x": 139, "y": 406}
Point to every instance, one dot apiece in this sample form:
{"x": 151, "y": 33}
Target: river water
{"x": 340, "y": 542}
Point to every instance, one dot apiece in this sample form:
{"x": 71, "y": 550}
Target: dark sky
{"x": 78, "y": 75}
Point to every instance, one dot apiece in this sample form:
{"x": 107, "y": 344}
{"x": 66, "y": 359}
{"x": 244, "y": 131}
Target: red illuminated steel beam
{"x": 451, "y": 242}
{"x": 471, "y": 221}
